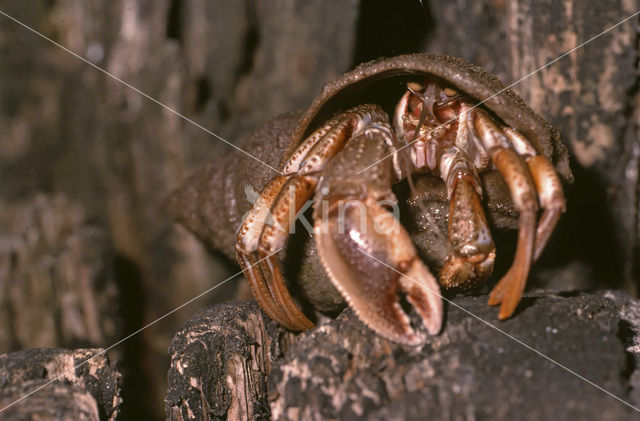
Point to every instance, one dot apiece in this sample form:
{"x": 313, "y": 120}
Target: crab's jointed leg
{"x": 454, "y": 153}
{"x": 247, "y": 244}
{"x": 547, "y": 185}
{"x": 479, "y": 142}
{"x": 295, "y": 192}
{"x": 266, "y": 227}
{"x": 528, "y": 182}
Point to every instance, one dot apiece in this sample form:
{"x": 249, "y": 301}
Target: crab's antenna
{"x": 404, "y": 158}
{"x": 423, "y": 114}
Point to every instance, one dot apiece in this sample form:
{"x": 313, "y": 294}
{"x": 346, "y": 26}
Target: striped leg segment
{"x": 532, "y": 181}
{"x": 266, "y": 227}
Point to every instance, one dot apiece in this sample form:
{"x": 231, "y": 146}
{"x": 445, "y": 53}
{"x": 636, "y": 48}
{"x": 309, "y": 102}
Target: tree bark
{"x": 229, "y": 362}
{"x": 68, "y": 387}
{"x": 55, "y": 287}
{"x": 219, "y": 364}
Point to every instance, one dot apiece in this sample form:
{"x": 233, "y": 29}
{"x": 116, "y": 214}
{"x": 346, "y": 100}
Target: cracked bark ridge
{"x": 219, "y": 364}
{"x": 90, "y": 392}
{"x": 222, "y": 358}
{"x": 54, "y": 286}
{"x": 470, "y": 371}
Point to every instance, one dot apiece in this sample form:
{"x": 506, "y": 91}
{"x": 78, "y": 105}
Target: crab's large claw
{"x": 370, "y": 258}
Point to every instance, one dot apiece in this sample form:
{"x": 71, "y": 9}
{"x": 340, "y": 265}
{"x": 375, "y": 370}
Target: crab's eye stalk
{"x": 402, "y": 108}
{"x": 411, "y": 102}
{"x": 416, "y": 109}
{"x": 450, "y": 92}
{"x": 415, "y": 88}
{"x": 406, "y": 118}
{"x": 416, "y": 103}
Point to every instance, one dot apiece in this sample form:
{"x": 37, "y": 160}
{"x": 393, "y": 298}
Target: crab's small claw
{"x": 472, "y": 254}
{"x": 370, "y": 258}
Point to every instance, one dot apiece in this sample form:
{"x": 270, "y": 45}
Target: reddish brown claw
{"x": 370, "y": 259}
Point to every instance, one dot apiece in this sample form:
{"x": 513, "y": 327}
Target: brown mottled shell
{"x": 347, "y": 90}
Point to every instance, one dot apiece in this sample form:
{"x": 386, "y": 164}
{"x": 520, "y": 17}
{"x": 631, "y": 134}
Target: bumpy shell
{"x": 350, "y": 88}
{"x": 213, "y": 200}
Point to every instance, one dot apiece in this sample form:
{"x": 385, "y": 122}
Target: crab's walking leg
{"x": 302, "y": 170}
{"x": 551, "y": 200}
{"x": 547, "y": 185}
{"x": 297, "y": 190}
{"x": 509, "y": 289}
{"x": 281, "y": 200}
{"x": 247, "y": 243}
{"x": 368, "y": 255}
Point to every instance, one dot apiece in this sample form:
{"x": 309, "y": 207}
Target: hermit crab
{"x": 458, "y": 137}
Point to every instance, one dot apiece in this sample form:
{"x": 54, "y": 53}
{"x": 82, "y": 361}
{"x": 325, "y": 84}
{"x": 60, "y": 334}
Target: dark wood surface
{"x": 76, "y": 142}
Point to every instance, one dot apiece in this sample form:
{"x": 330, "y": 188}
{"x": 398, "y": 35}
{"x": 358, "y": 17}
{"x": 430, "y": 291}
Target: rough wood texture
{"x": 219, "y": 364}
{"x": 470, "y": 371}
{"x": 90, "y": 392}
{"x": 54, "y": 286}
{"x": 342, "y": 370}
